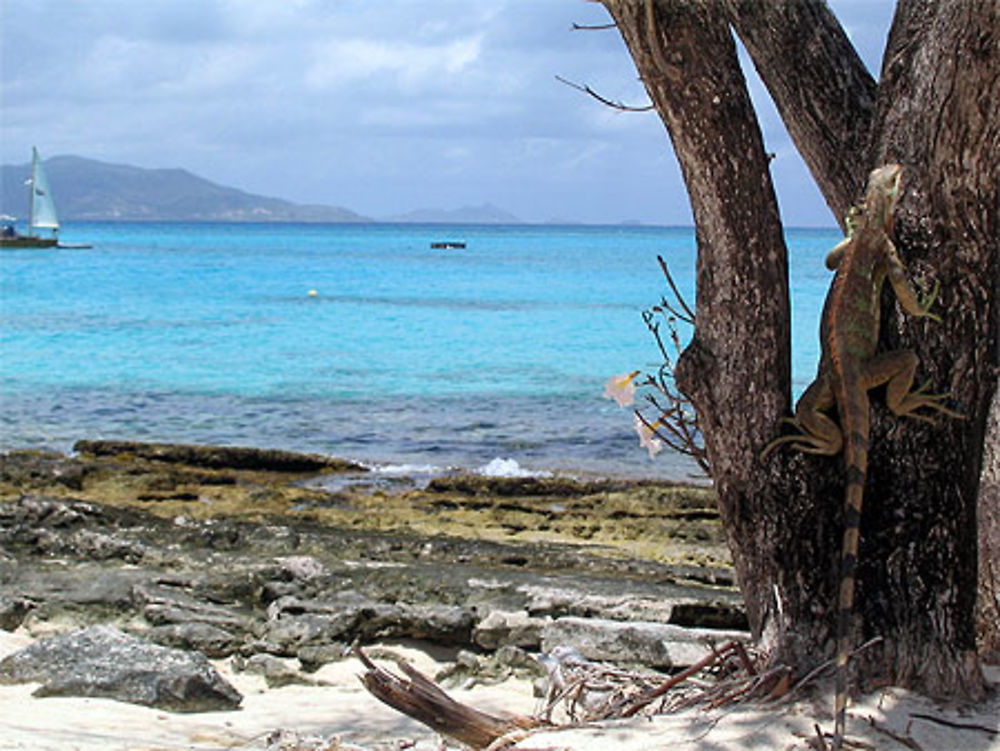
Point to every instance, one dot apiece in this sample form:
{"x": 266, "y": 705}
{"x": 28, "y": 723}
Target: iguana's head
{"x": 883, "y": 193}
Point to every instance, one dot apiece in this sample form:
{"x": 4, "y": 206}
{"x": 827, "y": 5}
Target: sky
{"x": 380, "y": 106}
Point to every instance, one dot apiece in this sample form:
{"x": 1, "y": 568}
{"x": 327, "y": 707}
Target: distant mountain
{"x": 484, "y": 214}
{"x": 88, "y": 189}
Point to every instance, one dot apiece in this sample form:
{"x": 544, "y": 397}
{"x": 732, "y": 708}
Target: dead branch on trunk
{"x": 593, "y": 27}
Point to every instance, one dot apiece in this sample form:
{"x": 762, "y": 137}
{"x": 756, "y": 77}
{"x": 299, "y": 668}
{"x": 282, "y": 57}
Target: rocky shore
{"x": 184, "y": 597}
{"x": 278, "y": 562}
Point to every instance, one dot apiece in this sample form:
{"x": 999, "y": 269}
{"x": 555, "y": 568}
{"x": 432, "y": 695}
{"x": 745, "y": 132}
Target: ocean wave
{"x": 499, "y": 467}
{"x": 405, "y": 470}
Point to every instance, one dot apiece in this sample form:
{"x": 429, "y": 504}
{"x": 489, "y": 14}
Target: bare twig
{"x": 744, "y": 658}
{"x": 677, "y": 423}
{"x": 689, "y": 318}
{"x": 594, "y": 27}
{"x": 603, "y": 100}
{"x": 664, "y": 687}
{"x": 905, "y": 740}
{"x": 953, "y": 724}
{"x": 819, "y": 735}
{"x": 824, "y": 666}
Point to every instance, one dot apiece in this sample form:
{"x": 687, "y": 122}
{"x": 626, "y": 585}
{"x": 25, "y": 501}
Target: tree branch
{"x": 596, "y": 27}
{"x": 603, "y": 100}
{"x": 420, "y": 698}
{"x": 824, "y": 93}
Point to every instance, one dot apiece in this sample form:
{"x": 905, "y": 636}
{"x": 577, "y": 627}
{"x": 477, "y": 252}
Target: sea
{"x": 359, "y": 341}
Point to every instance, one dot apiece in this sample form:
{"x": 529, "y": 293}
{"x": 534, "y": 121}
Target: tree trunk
{"x": 694, "y": 78}
{"x": 737, "y": 368}
{"x": 935, "y": 113}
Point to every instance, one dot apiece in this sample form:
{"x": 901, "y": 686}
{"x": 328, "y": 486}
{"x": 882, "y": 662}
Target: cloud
{"x": 401, "y": 65}
{"x": 380, "y": 106}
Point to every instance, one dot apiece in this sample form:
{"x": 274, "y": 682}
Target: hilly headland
{"x": 92, "y": 190}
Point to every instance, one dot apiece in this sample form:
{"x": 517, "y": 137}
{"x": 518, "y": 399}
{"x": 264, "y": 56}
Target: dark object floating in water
{"x": 448, "y": 245}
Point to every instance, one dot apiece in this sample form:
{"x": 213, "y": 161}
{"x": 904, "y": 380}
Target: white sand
{"x": 874, "y": 721}
{"x": 344, "y": 709}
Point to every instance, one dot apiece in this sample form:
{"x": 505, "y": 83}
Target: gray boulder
{"x": 655, "y": 645}
{"x": 103, "y": 661}
{"x": 504, "y": 628}
{"x": 210, "y": 640}
{"x": 295, "y": 623}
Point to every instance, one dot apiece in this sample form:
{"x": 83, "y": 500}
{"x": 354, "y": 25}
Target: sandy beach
{"x": 341, "y": 708}
{"x": 341, "y": 711}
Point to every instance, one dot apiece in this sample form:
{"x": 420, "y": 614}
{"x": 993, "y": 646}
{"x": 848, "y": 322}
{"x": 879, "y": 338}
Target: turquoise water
{"x": 404, "y": 354}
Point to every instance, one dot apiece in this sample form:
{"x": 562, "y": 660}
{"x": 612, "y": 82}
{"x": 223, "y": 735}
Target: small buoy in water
{"x": 313, "y": 293}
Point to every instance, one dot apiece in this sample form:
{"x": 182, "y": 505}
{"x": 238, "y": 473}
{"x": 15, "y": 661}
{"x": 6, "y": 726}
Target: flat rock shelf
{"x": 278, "y": 563}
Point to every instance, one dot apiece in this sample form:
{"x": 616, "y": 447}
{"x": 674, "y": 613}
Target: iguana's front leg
{"x": 914, "y": 303}
{"x": 819, "y": 434}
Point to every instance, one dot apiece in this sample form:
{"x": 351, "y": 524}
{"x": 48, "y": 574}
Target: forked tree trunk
{"x": 935, "y": 112}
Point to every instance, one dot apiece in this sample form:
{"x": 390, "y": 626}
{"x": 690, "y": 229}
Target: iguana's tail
{"x": 854, "y": 418}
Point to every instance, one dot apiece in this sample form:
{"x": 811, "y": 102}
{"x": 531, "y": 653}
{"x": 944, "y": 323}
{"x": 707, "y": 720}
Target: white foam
{"x": 508, "y": 468}
{"x": 405, "y": 469}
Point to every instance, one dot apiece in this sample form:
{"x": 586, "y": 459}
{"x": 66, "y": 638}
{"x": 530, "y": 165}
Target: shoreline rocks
{"x": 251, "y": 578}
{"x": 105, "y": 662}
{"x": 219, "y": 457}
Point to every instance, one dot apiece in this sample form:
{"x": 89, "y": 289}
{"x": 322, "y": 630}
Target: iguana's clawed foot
{"x": 918, "y": 399}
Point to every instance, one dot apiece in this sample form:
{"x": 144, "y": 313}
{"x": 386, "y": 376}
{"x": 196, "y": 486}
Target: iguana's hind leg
{"x": 818, "y": 433}
{"x": 897, "y": 369}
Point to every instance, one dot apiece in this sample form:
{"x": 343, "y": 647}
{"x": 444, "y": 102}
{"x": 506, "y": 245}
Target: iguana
{"x": 849, "y": 367}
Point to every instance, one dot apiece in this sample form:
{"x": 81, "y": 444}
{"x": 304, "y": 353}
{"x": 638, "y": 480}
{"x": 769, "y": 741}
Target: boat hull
{"x": 24, "y": 241}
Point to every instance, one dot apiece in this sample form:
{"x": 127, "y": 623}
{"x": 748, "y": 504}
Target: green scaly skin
{"x": 850, "y": 367}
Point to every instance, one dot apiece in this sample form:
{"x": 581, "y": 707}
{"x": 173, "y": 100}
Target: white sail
{"x": 43, "y": 208}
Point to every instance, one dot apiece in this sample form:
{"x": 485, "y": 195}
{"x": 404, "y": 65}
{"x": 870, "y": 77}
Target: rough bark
{"x": 936, "y": 114}
{"x": 823, "y": 91}
{"x": 989, "y": 540}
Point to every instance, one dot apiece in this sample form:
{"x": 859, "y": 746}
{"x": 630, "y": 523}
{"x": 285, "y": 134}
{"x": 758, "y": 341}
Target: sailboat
{"x": 41, "y": 213}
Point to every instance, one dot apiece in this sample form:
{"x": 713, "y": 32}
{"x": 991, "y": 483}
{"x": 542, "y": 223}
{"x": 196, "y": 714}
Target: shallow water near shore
{"x": 354, "y": 340}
